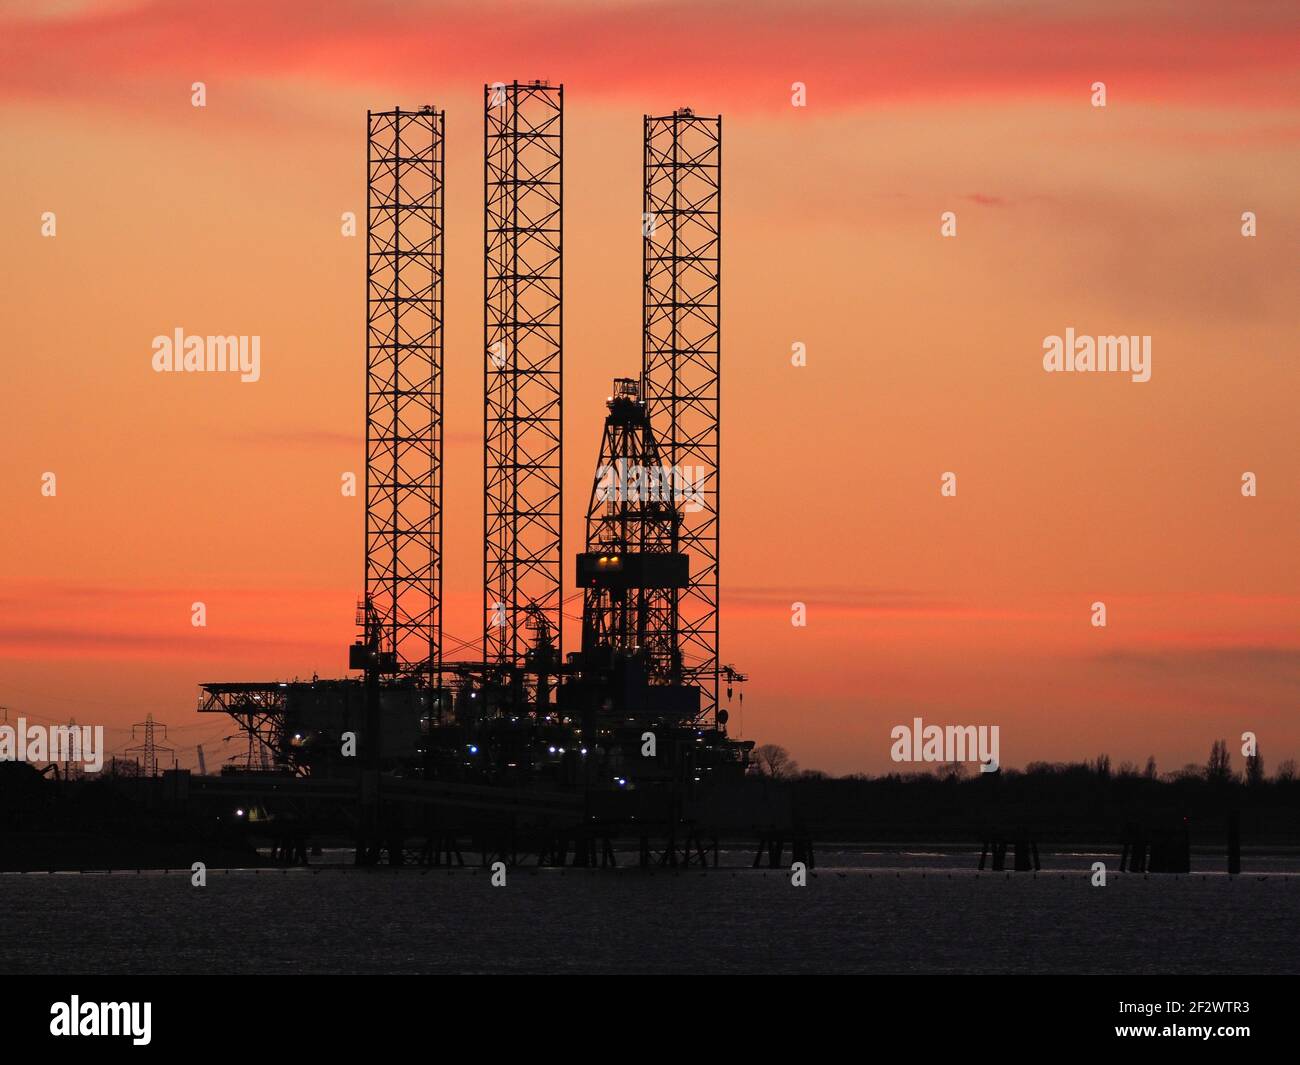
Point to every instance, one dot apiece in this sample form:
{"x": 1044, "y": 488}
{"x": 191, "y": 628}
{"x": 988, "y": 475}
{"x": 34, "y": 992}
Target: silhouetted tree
{"x": 774, "y": 761}
{"x": 1255, "y": 768}
{"x": 1219, "y": 768}
{"x": 1103, "y": 766}
{"x": 1285, "y": 771}
{"x": 953, "y": 770}
{"x": 1150, "y": 771}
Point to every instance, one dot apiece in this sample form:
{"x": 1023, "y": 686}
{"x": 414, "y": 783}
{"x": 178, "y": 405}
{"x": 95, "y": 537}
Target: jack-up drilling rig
{"x": 625, "y": 732}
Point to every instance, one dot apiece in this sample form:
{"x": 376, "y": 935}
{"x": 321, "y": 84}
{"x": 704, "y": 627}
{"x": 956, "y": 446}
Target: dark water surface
{"x": 864, "y": 916}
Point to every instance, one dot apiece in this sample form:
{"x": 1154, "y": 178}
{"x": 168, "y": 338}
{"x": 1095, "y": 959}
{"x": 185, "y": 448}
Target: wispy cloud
{"x": 866, "y": 601}
{"x": 67, "y": 641}
{"x": 1249, "y": 664}
{"x": 735, "y": 55}
{"x": 317, "y": 438}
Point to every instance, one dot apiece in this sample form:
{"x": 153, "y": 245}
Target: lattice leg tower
{"x": 404, "y": 390}
{"x": 682, "y": 227}
{"x": 523, "y": 329}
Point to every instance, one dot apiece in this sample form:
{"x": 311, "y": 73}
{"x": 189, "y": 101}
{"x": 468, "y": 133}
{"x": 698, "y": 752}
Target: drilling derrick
{"x": 523, "y": 451}
{"x": 682, "y": 229}
{"x": 630, "y": 565}
{"x": 401, "y": 612}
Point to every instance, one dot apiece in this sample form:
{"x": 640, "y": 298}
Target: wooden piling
{"x": 1234, "y": 842}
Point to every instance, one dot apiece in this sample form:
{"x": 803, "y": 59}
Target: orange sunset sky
{"x": 924, "y": 353}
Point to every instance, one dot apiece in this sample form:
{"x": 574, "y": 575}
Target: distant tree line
{"x": 1090, "y": 801}
{"x": 774, "y": 762}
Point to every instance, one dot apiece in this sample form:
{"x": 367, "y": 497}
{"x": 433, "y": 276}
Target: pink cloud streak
{"x": 717, "y": 56}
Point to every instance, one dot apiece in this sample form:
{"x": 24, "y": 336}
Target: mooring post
{"x": 1234, "y": 842}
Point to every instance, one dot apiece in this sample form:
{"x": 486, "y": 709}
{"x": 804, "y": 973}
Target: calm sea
{"x": 862, "y": 911}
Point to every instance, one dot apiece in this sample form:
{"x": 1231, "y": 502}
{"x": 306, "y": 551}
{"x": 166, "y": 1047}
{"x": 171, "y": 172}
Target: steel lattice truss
{"x": 620, "y": 520}
{"x": 523, "y": 454}
{"x": 682, "y": 227}
{"x": 404, "y": 385}
{"x": 259, "y": 709}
